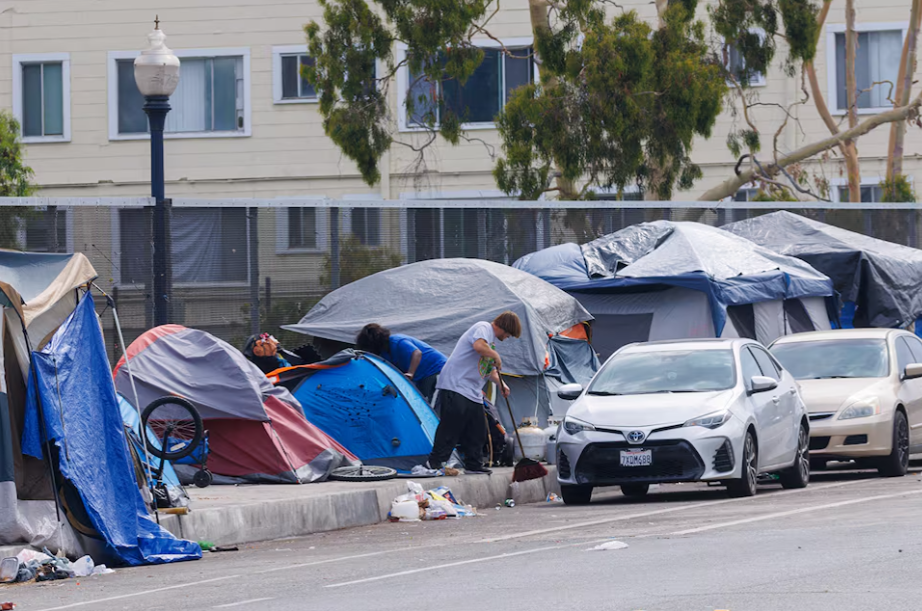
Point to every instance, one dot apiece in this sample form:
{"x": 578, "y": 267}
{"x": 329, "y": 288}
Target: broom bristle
{"x": 528, "y": 469}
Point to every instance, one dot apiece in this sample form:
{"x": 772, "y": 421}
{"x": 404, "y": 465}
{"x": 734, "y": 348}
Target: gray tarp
{"x": 883, "y": 279}
{"x": 438, "y": 300}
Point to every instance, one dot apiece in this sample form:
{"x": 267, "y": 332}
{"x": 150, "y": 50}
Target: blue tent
{"x": 88, "y": 433}
{"x": 368, "y": 406}
{"x": 654, "y": 280}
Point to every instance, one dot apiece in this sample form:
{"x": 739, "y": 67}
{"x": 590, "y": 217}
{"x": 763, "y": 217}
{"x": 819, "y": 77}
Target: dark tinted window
{"x": 750, "y": 367}
{"x": 765, "y": 363}
{"x": 666, "y": 371}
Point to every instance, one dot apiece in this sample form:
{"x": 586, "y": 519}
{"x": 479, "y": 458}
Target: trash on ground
{"x": 225, "y": 548}
{"x": 44, "y": 566}
{"x": 206, "y": 546}
{"x": 9, "y": 569}
{"x": 552, "y": 498}
{"x": 608, "y": 546}
{"x": 7, "y": 606}
{"x": 83, "y": 567}
{"x": 437, "y": 504}
{"x": 509, "y": 503}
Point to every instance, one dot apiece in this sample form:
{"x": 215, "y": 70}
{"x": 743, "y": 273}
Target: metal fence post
{"x": 334, "y": 248}
{"x": 253, "y": 224}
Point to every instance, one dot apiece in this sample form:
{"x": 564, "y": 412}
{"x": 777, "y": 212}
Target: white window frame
{"x": 243, "y": 52}
{"x": 116, "y": 232}
{"x": 283, "y": 247}
{"x": 759, "y": 82}
{"x": 832, "y": 68}
{"x": 403, "y": 82}
{"x": 277, "y": 53}
{"x": 36, "y": 58}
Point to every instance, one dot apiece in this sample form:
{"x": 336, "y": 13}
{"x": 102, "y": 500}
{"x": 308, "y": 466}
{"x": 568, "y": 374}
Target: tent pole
{"x": 137, "y": 404}
{"x": 41, "y": 423}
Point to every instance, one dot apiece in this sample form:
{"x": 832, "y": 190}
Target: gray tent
{"x": 438, "y": 300}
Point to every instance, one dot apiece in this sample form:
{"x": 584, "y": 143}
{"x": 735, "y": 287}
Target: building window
{"x": 365, "y": 224}
{"x": 735, "y": 64}
{"x": 302, "y": 228}
{"x": 288, "y": 83}
{"x": 870, "y": 194}
{"x": 876, "y": 66}
{"x": 41, "y": 96}
{"x": 212, "y": 98}
{"x": 480, "y": 99}
{"x": 45, "y": 230}
{"x": 209, "y": 245}
{"x": 746, "y": 195}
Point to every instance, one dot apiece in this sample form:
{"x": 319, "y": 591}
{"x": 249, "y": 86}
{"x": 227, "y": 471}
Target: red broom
{"x": 526, "y": 468}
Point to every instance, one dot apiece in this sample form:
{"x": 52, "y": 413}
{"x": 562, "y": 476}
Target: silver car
{"x": 719, "y": 410}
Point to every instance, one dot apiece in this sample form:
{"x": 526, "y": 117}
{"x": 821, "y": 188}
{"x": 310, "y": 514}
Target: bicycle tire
{"x": 363, "y": 473}
{"x": 195, "y": 418}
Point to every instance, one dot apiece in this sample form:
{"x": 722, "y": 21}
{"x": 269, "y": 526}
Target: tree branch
{"x": 732, "y": 185}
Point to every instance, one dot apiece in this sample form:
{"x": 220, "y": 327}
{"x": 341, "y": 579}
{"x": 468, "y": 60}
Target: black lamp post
{"x": 156, "y": 72}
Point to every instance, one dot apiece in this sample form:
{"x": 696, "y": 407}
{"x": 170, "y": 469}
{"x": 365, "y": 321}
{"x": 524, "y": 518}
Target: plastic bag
{"x": 405, "y": 511}
{"x": 83, "y": 567}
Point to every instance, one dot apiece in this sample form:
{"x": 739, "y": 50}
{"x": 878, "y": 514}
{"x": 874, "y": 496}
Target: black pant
{"x": 462, "y": 423}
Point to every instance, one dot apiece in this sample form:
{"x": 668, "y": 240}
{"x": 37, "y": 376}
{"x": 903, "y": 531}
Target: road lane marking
{"x": 136, "y": 594}
{"x": 792, "y": 512}
{"x": 656, "y": 512}
{"x": 243, "y": 602}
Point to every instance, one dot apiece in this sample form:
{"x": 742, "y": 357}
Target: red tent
{"x": 257, "y": 432}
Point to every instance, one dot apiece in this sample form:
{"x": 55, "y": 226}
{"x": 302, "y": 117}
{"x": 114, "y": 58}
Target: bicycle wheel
{"x": 363, "y": 473}
{"x": 172, "y": 428}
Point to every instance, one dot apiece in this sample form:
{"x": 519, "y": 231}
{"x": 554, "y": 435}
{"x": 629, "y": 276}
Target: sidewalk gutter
{"x": 344, "y": 506}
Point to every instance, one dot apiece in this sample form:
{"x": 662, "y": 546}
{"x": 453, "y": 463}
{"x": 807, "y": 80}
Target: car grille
{"x": 856, "y": 440}
{"x": 563, "y": 464}
{"x": 673, "y": 461}
{"x": 821, "y": 416}
{"x": 819, "y": 443}
{"x": 723, "y": 458}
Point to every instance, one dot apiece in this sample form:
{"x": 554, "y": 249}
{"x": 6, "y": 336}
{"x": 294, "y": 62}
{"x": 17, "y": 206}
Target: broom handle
{"x": 512, "y": 419}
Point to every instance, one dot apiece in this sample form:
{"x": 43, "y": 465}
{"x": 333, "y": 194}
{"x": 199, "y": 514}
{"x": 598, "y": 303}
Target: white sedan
{"x": 719, "y": 410}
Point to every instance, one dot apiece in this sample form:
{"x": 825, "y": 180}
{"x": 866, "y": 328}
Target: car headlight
{"x": 862, "y": 408}
{"x": 574, "y": 426}
{"x": 710, "y": 421}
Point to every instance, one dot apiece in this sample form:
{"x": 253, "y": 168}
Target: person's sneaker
{"x": 477, "y": 470}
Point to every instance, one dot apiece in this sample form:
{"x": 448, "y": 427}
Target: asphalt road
{"x": 850, "y": 541}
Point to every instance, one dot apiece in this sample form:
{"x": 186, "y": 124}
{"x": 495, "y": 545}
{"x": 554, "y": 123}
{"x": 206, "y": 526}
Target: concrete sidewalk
{"x": 243, "y": 514}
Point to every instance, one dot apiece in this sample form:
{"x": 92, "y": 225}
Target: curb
{"x": 278, "y": 519}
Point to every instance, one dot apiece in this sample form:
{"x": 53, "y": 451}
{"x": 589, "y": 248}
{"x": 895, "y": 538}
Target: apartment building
{"x": 245, "y": 125}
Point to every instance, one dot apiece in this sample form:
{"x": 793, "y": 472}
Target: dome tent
{"x": 673, "y": 280}
{"x": 438, "y": 300}
{"x": 257, "y": 432}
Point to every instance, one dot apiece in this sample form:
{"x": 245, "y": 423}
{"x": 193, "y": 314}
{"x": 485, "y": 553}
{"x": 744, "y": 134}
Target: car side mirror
{"x": 912, "y": 371}
{"x": 761, "y": 384}
{"x": 570, "y": 392}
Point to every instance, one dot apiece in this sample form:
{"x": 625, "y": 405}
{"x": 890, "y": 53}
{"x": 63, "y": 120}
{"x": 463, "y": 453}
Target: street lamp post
{"x": 156, "y": 71}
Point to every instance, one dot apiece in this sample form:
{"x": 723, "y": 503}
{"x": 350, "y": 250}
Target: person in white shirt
{"x": 460, "y": 400}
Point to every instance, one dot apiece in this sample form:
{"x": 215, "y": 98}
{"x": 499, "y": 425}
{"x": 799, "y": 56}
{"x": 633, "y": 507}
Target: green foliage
{"x": 898, "y": 190}
{"x": 15, "y": 181}
{"x": 357, "y": 261}
{"x": 280, "y": 312}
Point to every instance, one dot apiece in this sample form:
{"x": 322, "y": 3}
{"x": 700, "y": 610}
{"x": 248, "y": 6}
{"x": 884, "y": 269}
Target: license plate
{"x": 636, "y": 458}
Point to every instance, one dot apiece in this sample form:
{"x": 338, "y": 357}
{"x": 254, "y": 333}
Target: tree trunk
{"x": 732, "y": 185}
{"x": 851, "y": 94}
{"x": 539, "y": 13}
{"x": 903, "y": 91}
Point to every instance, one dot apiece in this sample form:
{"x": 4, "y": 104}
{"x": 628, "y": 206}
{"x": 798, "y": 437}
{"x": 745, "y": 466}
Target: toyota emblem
{"x": 636, "y": 436}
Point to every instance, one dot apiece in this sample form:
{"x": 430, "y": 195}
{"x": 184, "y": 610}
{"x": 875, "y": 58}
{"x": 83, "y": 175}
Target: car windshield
{"x": 841, "y": 358}
{"x": 639, "y": 373}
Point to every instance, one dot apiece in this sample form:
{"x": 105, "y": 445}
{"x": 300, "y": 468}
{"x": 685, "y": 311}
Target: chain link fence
{"x": 242, "y": 266}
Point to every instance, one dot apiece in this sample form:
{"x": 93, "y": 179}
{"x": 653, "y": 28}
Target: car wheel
{"x": 746, "y": 485}
{"x": 897, "y": 463}
{"x": 798, "y": 475}
{"x": 635, "y": 489}
{"x": 576, "y": 495}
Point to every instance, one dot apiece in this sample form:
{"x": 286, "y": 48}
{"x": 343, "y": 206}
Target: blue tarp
{"x": 81, "y": 416}
{"x": 372, "y": 409}
{"x": 694, "y": 256}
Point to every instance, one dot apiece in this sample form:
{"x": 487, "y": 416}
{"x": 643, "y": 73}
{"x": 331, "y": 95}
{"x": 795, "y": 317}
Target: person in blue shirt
{"x": 419, "y": 362}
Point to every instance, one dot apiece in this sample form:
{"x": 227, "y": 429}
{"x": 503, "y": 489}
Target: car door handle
{"x": 776, "y": 400}
{"x": 793, "y": 391}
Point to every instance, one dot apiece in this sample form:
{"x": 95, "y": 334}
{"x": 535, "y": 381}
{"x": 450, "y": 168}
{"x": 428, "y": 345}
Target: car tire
{"x": 635, "y": 490}
{"x": 798, "y": 475}
{"x": 897, "y": 463}
{"x": 576, "y": 495}
{"x": 746, "y": 485}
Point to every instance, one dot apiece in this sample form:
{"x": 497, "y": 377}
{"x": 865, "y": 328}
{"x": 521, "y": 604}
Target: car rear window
{"x": 838, "y": 358}
{"x": 638, "y": 373}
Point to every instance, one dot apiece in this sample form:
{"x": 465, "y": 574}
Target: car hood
{"x": 648, "y": 410}
{"x": 829, "y": 395}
